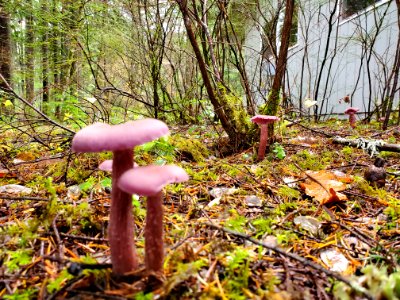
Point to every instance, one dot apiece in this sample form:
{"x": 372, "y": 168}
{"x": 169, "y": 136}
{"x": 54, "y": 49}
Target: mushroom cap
{"x": 263, "y": 119}
{"x": 107, "y": 165}
{"x": 351, "y": 110}
{"x": 100, "y": 137}
{"x": 149, "y": 180}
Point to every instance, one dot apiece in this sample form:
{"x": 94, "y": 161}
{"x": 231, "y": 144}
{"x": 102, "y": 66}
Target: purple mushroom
{"x": 351, "y": 111}
{"x": 149, "y": 181}
{"x": 263, "y": 121}
{"x": 120, "y": 139}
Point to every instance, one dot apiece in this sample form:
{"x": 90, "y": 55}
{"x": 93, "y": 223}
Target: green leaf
{"x": 8, "y": 103}
{"x": 279, "y": 151}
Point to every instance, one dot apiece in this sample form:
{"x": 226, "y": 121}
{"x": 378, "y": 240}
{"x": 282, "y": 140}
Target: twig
{"x": 313, "y": 130}
{"x": 311, "y": 177}
{"x": 294, "y": 257}
{"x": 58, "y": 239}
{"x": 24, "y": 198}
{"x": 80, "y": 237}
{"x": 26, "y": 102}
{"x": 40, "y": 159}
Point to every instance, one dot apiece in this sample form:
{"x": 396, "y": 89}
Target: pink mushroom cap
{"x": 149, "y": 180}
{"x": 100, "y": 137}
{"x": 263, "y": 119}
{"x": 107, "y": 165}
{"x": 351, "y": 110}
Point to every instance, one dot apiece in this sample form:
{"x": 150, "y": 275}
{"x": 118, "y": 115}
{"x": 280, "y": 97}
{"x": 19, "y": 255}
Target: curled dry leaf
{"x": 326, "y": 186}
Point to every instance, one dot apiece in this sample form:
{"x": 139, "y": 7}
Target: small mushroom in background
{"x": 120, "y": 139}
{"x": 351, "y": 111}
{"x": 376, "y": 174}
{"x": 107, "y": 165}
{"x": 149, "y": 181}
{"x": 263, "y": 122}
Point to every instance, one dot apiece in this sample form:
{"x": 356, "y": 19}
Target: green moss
{"x": 288, "y": 193}
{"x": 189, "y": 148}
{"x": 310, "y": 161}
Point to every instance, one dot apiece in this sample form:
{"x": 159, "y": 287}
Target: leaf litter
{"x": 305, "y": 225}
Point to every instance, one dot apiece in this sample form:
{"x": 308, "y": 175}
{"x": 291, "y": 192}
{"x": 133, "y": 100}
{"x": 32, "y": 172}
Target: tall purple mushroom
{"x": 351, "y": 111}
{"x": 263, "y": 121}
{"x": 149, "y": 181}
{"x": 120, "y": 139}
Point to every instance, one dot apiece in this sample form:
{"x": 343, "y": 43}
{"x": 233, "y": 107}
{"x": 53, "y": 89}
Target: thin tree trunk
{"x": 236, "y": 129}
{"x": 29, "y": 57}
{"x": 45, "y": 62}
{"x": 394, "y": 74}
{"x": 273, "y": 99}
{"x": 5, "y": 46}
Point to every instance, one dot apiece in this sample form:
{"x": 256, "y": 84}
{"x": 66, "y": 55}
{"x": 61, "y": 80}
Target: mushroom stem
{"x": 263, "y": 142}
{"x": 352, "y": 120}
{"x": 120, "y": 228}
{"x": 154, "y": 244}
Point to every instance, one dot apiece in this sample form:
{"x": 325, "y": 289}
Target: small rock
{"x": 17, "y": 161}
{"x": 220, "y": 191}
{"x": 290, "y": 181}
{"x": 214, "y": 202}
{"x": 270, "y": 240}
{"x": 15, "y": 189}
{"x": 253, "y": 201}
{"x": 335, "y": 260}
{"x": 308, "y": 223}
{"x": 73, "y": 192}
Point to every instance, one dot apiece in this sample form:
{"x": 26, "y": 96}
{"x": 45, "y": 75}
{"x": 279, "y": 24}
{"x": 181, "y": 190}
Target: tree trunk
{"x": 29, "y": 57}
{"x": 394, "y": 76}
{"x": 5, "y": 46}
{"x": 45, "y": 62}
{"x": 273, "y": 100}
{"x": 231, "y": 115}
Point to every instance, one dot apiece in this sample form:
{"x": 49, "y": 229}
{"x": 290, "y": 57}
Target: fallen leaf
{"x": 326, "y": 186}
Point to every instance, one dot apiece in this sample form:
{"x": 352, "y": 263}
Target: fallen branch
{"x": 371, "y": 146}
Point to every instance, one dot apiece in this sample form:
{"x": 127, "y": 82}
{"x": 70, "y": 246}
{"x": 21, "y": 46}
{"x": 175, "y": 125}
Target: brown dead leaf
{"x": 326, "y": 186}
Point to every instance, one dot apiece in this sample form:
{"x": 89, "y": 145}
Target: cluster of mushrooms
{"x": 128, "y": 179}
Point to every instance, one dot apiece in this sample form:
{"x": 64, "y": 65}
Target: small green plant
{"x": 283, "y": 208}
{"x": 161, "y": 147}
{"x": 288, "y": 193}
{"x": 17, "y": 258}
{"x": 376, "y": 281}
{"x": 144, "y": 296}
{"x": 57, "y": 283}
{"x": 263, "y": 226}
{"x": 308, "y": 160}
{"x": 236, "y": 222}
{"x": 279, "y": 151}
{"x": 24, "y": 294}
{"x": 237, "y": 273}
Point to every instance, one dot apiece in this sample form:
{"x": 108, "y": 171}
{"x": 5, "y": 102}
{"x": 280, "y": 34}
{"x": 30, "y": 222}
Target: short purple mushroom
{"x": 263, "y": 121}
{"x": 120, "y": 139}
{"x": 149, "y": 181}
{"x": 351, "y": 111}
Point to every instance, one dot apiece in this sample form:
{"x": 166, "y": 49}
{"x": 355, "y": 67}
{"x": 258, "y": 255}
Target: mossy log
{"x": 368, "y": 144}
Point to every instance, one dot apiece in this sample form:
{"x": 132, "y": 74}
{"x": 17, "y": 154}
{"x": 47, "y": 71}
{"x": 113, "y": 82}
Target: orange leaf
{"x": 323, "y": 182}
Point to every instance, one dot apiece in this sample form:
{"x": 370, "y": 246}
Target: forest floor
{"x": 301, "y": 224}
